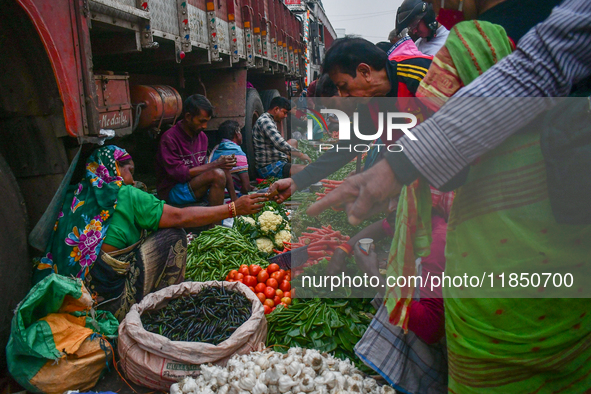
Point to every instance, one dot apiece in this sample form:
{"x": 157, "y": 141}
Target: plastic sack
{"x": 55, "y": 343}
{"x": 154, "y": 361}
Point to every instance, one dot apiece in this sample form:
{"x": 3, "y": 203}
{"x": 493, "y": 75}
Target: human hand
{"x": 305, "y": 158}
{"x": 337, "y": 263}
{"x": 285, "y": 187}
{"x": 248, "y": 205}
{"x": 363, "y": 195}
{"x": 367, "y": 263}
{"x": 226, "y": 162}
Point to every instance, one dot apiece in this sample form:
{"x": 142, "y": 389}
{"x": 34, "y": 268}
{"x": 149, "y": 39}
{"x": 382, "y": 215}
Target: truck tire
{"x": 267, "y": 96}
{"x": 15, "y": 280}
{"x": 254, "y": 109}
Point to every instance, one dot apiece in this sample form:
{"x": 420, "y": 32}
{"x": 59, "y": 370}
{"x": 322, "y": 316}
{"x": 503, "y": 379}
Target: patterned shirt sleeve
{"x": 270, "y": 128}
{"x": 549, "y": 60}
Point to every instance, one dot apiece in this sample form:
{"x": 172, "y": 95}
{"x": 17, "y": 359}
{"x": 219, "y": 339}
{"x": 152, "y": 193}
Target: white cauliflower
{"x": 269, "y": 221}
{"x": 248, "y": 220}
{"x": 281, "y": 237}
{"x": 265, "y": 245}
{"x": 287, "y": 227}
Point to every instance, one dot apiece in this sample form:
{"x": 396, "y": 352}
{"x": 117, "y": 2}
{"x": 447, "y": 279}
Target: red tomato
{"x": 239, "y": 276}
{"x": 244, "y": 270}
{"x": 286, "y": 301}
{"x": 272, "y": 283}
{"x": 231, "y": 280}
{"x": 232, "y": 274}
{"x": 263, "y": 276}
{"x": 267, "y": 309}
{"x": 283, "y": 303}
{"x": 282, "y": 275}
{"x": 254, "y": 269}
{"x": 251, "y": 289}
{"x": 275, "y": 275}
{"x": 287, "y": 294}
{"x": 250, "y": 280}
{"x": 292, "y": 293}
{"x": 276, "y": 300}
{"x": 260, "y": 287}
{"x": 272, "y": 309}
{"x": 269, "y": 292}
{"x": 269, "y": 303}
{"x": 261, "y": 297}
{"x": 279, "y": 293}
{"x": 285, "y": 286}
{"x": 272, "y": 268}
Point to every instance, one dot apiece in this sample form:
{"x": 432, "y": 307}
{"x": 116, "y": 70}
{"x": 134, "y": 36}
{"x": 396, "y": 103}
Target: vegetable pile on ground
{"x": 300, "y": 221}
{"x": 327, "y": 325}
{"x": 328, "y": 187}
{"x": 217, "y": 251}
{"x": 210, "y": 316}
{"x": 265, "y": 183}
{"x": 268, "y": 230}
{"x": 321, "y": 242}
{"x": 298, "y": 371}
{"x": 271, "y": 285}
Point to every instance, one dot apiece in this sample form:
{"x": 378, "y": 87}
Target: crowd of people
{"x": 473, "y": 180}
{"x": 501, "y": 209}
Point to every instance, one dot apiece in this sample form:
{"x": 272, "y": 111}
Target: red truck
{"x": 72, "y": 69}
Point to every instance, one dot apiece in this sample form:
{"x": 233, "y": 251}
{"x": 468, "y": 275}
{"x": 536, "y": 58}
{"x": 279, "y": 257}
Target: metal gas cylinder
{"x": 159, "y": 105}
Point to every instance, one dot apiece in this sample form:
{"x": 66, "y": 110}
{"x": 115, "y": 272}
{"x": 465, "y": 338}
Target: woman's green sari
{"x": 501, "y": 221}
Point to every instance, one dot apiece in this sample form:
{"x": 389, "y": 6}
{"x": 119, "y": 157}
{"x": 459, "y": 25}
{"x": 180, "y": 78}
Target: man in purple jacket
{"x": 182, "y": 172}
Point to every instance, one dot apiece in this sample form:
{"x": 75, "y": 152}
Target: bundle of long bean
{"x": 216, "y": 252}
{"x": 210, "y": 316}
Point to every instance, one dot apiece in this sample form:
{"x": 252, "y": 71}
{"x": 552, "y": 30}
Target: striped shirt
{"x": 549, "y": 60}
{"x": 269, "y": 145}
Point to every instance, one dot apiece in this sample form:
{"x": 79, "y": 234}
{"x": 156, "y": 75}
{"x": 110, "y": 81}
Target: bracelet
{"x": 348, "y": 249}
{"x": 232, "y": 209}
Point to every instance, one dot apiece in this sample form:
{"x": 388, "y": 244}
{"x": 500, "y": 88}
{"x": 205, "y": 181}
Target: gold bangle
{"x": 233, "y": 206}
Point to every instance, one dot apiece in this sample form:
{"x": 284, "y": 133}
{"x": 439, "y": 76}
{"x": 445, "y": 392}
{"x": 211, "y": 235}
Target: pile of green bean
{"x": 218, "y": 251}
{"x": 210, "y": 316}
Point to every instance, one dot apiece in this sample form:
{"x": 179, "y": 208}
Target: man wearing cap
{"x": 419, "y": 17}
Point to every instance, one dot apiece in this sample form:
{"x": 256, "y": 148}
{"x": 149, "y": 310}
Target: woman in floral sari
{"x": 107, "y": 234}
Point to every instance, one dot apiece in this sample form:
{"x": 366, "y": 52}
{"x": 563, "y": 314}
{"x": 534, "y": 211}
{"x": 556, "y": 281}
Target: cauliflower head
{"x": 248, "y": 220}
{"x": 265, "y": 245}
{"x": 269, "y": 221}
{"x": 281, "y": 237}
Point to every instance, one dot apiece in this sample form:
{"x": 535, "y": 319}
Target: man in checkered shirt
{"x": 272, "y": 152}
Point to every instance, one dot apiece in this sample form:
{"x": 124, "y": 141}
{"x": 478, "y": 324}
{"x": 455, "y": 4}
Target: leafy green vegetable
{"x": 323, "y": 324}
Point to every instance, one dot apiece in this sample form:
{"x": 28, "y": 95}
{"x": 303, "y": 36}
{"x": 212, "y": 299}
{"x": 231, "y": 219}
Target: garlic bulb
{"x": 247, "y": 381}
{"x": 174, "y": 389}
{"x": 225, "y": 389}
{"x": 286, "y": 383}
{"x": 259, "y": 388}
{"x": 222, "y": 377}
{"x": 369, "y": 384}
{"x": 388, "y": 390}
{"x": 294, "y": 368}
{"x": 263, "y": 362}
{"x": 307, "y": 385}
{"x": 189, "y": 385}
{"x": 281, "y": 369}
{"x": 257, "y": 370}
{"x": 309, "y": 372}
{"x": 273, "y": 375}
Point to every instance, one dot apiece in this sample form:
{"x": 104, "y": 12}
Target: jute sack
{"x": 154, "y": 361}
